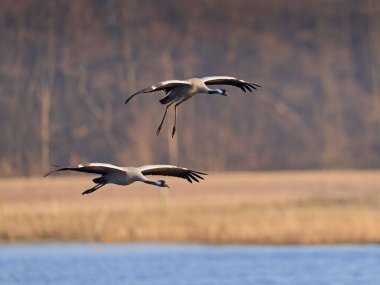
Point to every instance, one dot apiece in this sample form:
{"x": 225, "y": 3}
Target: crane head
{"x": 162, "y": 183}
{"x": 224, "y": 93}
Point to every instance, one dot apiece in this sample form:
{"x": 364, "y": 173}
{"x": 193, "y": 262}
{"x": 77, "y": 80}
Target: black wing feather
{"x": 188, "y": 174}
{"x": 243, "y": 85}
{"x": 102, "y": 170}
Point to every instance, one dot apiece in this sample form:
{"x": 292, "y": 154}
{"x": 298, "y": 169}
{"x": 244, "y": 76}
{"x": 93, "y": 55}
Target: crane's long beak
{"x": 226, "y": 94}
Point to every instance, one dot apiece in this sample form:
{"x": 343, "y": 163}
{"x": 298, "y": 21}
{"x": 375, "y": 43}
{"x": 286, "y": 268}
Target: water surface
{"x": 137, "y": 264}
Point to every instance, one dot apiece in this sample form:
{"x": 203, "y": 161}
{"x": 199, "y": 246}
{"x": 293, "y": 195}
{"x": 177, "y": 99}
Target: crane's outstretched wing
{"x": 166, "y": 86}
{"x": 228, "y": 80}
{"x": 96, "y": 168}
{"x": 171, "y": 170}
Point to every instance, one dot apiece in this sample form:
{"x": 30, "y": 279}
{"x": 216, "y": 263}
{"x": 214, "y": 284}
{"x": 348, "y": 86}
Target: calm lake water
{"x": 188, "y": 264}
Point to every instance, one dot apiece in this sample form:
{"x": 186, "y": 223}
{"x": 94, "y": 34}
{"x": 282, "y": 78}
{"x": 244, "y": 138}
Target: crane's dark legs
{"x": 96, "y": 187}
{"x": 163, "y": 119}
{"x": 175, "y": 117}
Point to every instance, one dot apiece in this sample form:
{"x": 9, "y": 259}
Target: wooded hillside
{"x": 66, "y": 68}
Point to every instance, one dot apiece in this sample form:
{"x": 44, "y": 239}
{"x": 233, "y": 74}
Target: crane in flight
{"x": 178, "y": 91}
{"x": 128, "y": 175}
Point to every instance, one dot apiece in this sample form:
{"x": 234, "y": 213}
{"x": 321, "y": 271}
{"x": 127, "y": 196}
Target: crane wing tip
{"x": 127, "y": 100}
{"x": 48, "y": 173}
{"x": 198, "y": 172}
{"x": 51, "y": 171}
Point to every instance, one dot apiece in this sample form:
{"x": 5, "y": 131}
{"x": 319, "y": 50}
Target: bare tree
{"x": 48, "y": 87}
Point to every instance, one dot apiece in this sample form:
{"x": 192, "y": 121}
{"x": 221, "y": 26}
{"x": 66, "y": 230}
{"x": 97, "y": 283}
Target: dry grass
{"x": 276, "y": 208}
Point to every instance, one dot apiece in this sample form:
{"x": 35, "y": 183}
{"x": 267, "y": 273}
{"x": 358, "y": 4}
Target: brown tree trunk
{"x": 47, "y": 89}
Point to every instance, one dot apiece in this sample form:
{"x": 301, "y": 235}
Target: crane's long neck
{"x": 159, "y": 183}
{"x": 215, "y": 91}
{"x": 152, "y": 182}
{"x": 218, "y": 91}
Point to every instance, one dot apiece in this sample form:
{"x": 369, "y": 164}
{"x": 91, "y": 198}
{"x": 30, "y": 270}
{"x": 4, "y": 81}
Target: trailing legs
{"x": 175, "y": 117}
{"x": 163, "y": 119}
{"x": 96, "y": 187}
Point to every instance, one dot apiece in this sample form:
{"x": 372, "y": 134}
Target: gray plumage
{"x": 128, "y": 175}
{"x": 178, "y": 91}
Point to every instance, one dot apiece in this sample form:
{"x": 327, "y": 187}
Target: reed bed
{"x": 310, "y": 207}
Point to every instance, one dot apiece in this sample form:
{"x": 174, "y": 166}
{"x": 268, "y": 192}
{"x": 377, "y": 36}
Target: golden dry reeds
{"x": 308, "y": 207}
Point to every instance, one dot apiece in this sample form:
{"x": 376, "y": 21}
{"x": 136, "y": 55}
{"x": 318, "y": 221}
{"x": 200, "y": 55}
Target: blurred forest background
{"x": 66, "y": 68}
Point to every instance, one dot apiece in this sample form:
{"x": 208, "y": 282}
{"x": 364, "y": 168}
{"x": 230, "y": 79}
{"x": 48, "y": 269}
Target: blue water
{"x": 137, "y": 264}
